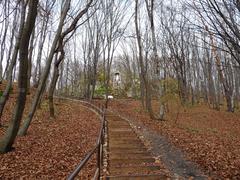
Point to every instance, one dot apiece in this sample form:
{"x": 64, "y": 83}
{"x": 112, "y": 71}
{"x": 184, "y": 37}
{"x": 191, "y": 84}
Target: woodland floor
{"x": 207, "y": 137}
{"x": 52, "y": 147}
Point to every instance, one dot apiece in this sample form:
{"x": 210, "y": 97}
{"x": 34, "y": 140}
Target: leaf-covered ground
{"x": 52, "y": 147}
{"x": 208, "y": 137}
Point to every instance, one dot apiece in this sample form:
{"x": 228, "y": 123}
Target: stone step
{"x": 119, "y": 122}
{"x": 124, "y": 141}
{"x": 130, "y": 157}
{"x": 116, "y": 135}
{"x": 121, "y": 130}
{"x": 125, "y": 170}
{"x": 116, "y": 122}
{"x": 127, "y": 148}
{"x": 135, "y": 155}
{"x": 127, "y": 161}
{"x": 132, "y": 137}
{"x": 115, "y": 118}
{"x": 127, "y": 153}
{"x": 121, "y": 126}
{"x": 125, "y": 145}
{"x": 138, "y": 177}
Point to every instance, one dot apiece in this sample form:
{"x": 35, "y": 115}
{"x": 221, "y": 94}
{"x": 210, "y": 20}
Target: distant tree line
{"x": 68, "y": 48}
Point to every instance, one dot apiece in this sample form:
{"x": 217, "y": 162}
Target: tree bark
{"x": 11, "y": 133}
{"x": 27, "y": 122}
{"x": 53, "y": 83}
{"x": 144, "y": 80}
{"x": 4, "y": 97}
{"x": 150, "y": 7}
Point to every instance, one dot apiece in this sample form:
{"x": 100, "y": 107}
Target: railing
{"x": 98, "y": 148}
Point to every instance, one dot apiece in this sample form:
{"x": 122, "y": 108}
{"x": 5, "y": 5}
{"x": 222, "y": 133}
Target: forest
{"x": 171, "y": 67}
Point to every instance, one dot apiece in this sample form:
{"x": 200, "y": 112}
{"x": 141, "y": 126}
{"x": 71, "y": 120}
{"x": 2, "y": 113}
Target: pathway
{"x": 127, "y": 156}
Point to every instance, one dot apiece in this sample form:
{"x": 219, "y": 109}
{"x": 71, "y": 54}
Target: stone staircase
{"x": 127, "y": 156}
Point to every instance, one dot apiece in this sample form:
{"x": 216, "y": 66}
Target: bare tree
{"x": 150, "y": 5}
{"x": 10, "y": 135}
{"x": 4, "y": 97}
{"x": 40, "y": 89}
{"x": 144, "y": 80}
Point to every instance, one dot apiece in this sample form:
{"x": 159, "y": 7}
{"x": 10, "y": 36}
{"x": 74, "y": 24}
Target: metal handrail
{"x": 98, "y": 147}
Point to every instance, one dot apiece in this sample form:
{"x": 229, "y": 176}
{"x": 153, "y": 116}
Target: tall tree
{"x": 40, "y": 89}
{"x": 10, "y": 135}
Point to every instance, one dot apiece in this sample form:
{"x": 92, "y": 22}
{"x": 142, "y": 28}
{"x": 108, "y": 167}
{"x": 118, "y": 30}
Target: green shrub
{"x": 101, "y": 91}
{"x": 11, "y": 90}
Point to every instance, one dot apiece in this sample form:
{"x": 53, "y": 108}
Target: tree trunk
{"x": 51, "y": 91}
{"x": 150, "y": 8}
{"x": 53, "y": 83}
{"x": 11, "y": 133}
{"x": 145, "y": 82}
{"x": 37, "y": 71}
{"x": 11, "y": 44}
{"x": 27, "y": 122}
{"x": 4, "y": 97}
{"x": 30, "y": 61}
{"x": 3, "y": 47}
